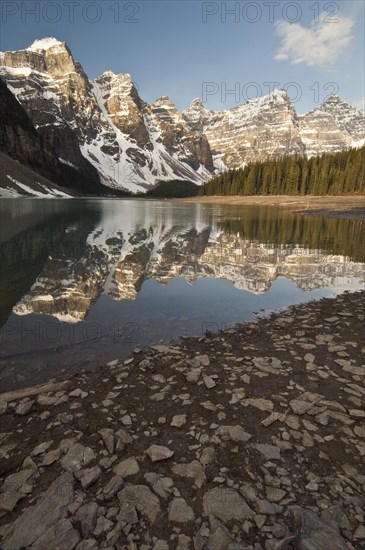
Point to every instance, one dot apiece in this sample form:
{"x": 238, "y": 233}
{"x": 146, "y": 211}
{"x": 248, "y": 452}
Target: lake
{"x": 84, "y": 281}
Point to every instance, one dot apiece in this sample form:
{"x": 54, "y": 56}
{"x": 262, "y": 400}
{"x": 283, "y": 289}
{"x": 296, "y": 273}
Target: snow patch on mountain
{"x": 43, "y": 191}
{"x": 44, "y": 44}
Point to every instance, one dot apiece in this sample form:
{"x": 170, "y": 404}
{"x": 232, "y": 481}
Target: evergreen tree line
{"x": 327, "y": 174}
{"x": 332, "y": 235}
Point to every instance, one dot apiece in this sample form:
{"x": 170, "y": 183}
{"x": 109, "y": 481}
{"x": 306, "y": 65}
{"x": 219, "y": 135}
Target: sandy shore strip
{"x": 247, "y": 439}
{"x": 346, "y": 206}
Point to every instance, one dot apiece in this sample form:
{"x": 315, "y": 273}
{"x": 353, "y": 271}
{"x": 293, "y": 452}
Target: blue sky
{"x": 187, "y": 49}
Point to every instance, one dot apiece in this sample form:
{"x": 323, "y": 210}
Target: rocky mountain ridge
{"x": 269, "y": 127}
{"x": 105, "y": 126}
{"x": 103, "y": 123}
{"x": 30, "y": 165}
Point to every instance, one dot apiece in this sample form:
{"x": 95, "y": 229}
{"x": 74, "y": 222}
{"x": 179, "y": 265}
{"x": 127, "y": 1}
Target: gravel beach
{"x": 251, "y": 438}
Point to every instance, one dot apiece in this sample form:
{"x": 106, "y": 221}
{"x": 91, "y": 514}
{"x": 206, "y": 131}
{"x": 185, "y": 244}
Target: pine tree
{"x": 337, "y": 173}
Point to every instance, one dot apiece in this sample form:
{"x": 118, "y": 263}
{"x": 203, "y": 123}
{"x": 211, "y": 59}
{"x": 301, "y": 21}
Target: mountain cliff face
{"x": 262, "y": 128}
{"x": 155, "y": 138}
{"x": 106, "y": 131}
{"x": 30, "y": 165}
{"x": 268, "y": 127}
{"x": 50, "y": 85}
{"x": 332, "y": 127}
{"x": 18, "y": 137}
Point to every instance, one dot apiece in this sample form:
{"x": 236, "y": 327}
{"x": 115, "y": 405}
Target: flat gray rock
{"x": 24, "y": 408}
{"x": 162, "y": 486}
{"x": 127, "y": 467}
{"x": 90, "y": 476}
{"x": 143, "y": 499}
{"x": 208, "y": 381}
{"x": 179, "y": 511}
{"x": 14, "y": 488}
{"x": 122, "y": 438}
{"x": 51, "y": 457}
{"x": 178, "y": 420}
{"x": 226, "y": 504}
{"x": 87, "y": 515}
{"x": 299, "y": 406}
{"x": 315, "y": 533}
{"x": 61, "y": 536}
{"x": 193, "y": 470}
{"x": 36, "y": 520}
{"x": 158, "y": 452}
{"x": 41, "y": 448}
{"x": 219, "y": 539}
{"x": 193, "y": 375}
{"x": 128, "y": 514}
{"x": 199, "y": 361}
{"x": 270, "y": 452}
{"x": 274, "y": 494}
{"x": 77, "y": 457}
{"x": 207, "y": 456}
{"x": 233, "y": 433}
{"x": 107, "y": 436}
{"x": 113, "y": 486}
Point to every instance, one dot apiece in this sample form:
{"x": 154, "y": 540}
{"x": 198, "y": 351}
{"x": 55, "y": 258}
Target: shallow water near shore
{"x": 85, "y": 281}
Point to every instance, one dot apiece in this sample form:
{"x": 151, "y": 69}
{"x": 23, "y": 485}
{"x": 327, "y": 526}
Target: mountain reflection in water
{"x": 95, "y": 278}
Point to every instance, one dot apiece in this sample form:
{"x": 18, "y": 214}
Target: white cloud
{"x": 320, "y": 44}
{"x": 281, "y": 57}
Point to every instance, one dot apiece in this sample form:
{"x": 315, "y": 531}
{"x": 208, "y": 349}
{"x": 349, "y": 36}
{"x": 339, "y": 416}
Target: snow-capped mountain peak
{"x": 44, "y": 44}
{"x": 279, "y": 94}
{"x": 333, "y": 126}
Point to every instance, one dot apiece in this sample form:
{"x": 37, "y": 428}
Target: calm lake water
{"x": 85, "y": 281}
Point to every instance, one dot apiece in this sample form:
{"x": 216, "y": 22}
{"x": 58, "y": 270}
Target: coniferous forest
{"x": 327, "y": 174}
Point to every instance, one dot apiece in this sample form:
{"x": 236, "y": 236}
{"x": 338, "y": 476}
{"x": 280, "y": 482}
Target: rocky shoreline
{"x": 350, "y": 207}
{"x": 251, "y": 438}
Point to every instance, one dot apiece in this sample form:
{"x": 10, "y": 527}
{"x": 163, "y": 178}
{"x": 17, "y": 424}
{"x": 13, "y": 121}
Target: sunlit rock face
{"x": 332, "y": 127}
{"x": 118, "y": 95}
{"x": 260, "y": 129}
{"x": 269, "y": 127}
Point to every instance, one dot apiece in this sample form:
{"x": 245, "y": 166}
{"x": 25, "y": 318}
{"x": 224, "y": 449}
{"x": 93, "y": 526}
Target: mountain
{"x": 332, "y": 127}
{"x": 23, "y": 152}
{"x": 109, "y": 135}
{"x": 261, "y": 128}
{"x": 17, "y": 179}
{"x": 30, "y": 238}
{"x": 103, "y": 125}
{"x": 30, "y": 165}
{"x": 269, "y": 127}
